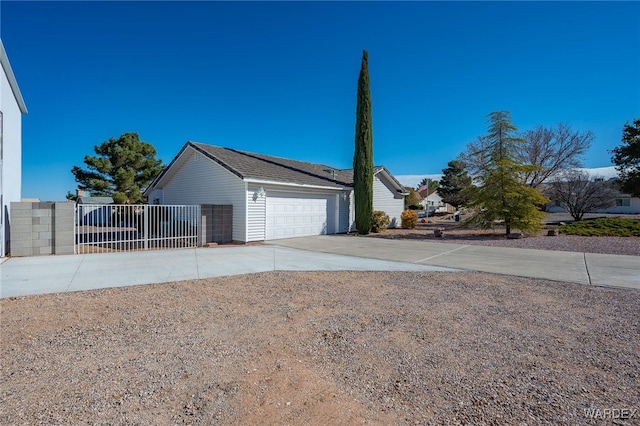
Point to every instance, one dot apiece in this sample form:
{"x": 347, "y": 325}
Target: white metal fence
{"x": 102, "y": 228}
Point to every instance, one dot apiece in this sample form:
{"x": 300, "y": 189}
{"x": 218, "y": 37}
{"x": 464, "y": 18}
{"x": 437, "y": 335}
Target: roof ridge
{"x": 280, "y": 164}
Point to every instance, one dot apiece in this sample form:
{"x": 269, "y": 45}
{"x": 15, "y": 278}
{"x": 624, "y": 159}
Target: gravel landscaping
{"x": 324, "y": 348}
{"x": 454, "y": 232}
{"x": 605, "y": 245}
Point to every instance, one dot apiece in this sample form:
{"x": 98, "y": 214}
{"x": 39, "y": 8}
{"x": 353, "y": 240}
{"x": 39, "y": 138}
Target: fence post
{"x": 146, "y": 226}
{"x": 63, "y": 228}
{"x": 202, "y": 228}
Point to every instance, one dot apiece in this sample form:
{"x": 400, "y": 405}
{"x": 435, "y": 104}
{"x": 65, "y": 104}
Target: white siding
{"x": 347, "y": 213}
{"x": 156, "y": 194}
{"x": 256, "y": 214}
{"x": 386, "y": 198}
{"x": 11, "y": 159}
{"x": 200, "y": 180}
{"x": 632, "y": 208}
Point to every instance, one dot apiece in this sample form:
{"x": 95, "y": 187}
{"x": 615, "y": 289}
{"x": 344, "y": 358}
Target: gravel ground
{"x": 324, "y": 348}
{"x": 456, "y": 234}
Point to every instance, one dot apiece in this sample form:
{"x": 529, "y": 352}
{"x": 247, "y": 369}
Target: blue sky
{"x": 280, "y": 78}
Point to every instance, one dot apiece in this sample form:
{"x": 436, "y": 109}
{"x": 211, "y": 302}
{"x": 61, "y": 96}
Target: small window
{"x": 156, "y": 201}
{"x": 623, "y": 202}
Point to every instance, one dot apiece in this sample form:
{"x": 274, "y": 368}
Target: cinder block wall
{"x": 217, "y": 223}
{"x": 64, "y": 228}
{"x": 41, "y": 229}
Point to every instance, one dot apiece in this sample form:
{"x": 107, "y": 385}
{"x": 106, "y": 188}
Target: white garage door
{"x": 297, "y": 215}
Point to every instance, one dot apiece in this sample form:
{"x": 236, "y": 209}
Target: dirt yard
{"x": 324, "y": 348}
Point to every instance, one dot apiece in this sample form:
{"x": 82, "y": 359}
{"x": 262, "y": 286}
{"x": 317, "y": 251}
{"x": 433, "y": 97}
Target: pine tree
{"x": 122, "y": 169}
{"x": 455, "y": 181}
{"x": 502, "y": 193}
{"x": 626, "y": 157}
{"x": 363, "y": 155}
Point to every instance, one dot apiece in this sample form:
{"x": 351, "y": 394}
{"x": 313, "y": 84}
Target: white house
{"x": 12, "y": 107}
{"x": 272, "y": 197}
{"x": 622, "y": 204}
{"x": 432, "y": 201}
{"x": 625, "y": 204}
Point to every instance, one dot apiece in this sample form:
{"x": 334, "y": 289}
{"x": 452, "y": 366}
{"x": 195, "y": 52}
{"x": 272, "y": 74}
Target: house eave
{"x": 399, "y": 188}
{"x": 297, "y": 185}
{"x": 4, "y": 60}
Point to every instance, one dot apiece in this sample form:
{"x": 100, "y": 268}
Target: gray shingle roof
{"x": 248, "y": 165}
{"x": 95, "y": 200}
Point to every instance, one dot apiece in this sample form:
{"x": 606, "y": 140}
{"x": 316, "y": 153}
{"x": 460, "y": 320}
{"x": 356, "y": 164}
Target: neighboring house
{"x": 94, "y": 210}
{"x": 624, "y": 204}
{"x": 94, "y": 200}
{"x": 432, "y": 201}
{"x": 12, "y": 107}
{"x": 272, "y": 197}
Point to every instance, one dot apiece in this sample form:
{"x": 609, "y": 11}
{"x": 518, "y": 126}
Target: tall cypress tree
{"x": 363, "y": 155}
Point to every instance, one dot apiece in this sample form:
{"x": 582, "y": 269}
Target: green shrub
{"x": 379, "y": 221}
{"x": 611, "y": 226}
{"x": 409, "y": 219}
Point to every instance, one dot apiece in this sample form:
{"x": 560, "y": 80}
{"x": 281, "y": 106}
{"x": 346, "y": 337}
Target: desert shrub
{"x": 409, "y": 219}
{"x": 614, "y": 226}
{"x": 379, "y": 221}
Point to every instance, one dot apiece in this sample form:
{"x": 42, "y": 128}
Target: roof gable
{"x": 255, "y": 167}
{"x": 252, "y": 166}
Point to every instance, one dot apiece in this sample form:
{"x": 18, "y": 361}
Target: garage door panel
{"x": 295, "y": 214}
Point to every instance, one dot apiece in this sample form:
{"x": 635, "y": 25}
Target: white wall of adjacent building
{"x": 11, "y": 109}
{"x": 386, "y": 198}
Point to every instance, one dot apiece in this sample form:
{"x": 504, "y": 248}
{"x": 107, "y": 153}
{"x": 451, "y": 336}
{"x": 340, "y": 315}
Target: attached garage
{"x": 298, "y": 215}
{"x": 272, "y": 197}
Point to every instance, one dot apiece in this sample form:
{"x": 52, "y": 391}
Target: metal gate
{"x": 103, "y": 228}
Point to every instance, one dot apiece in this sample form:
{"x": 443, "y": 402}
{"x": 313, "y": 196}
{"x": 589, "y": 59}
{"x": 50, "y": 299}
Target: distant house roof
{"x": 425, "y": 192}
{"x": 95, "y": 200}
{"x": 6, "y": 66}
{"x": 266, "y": 168}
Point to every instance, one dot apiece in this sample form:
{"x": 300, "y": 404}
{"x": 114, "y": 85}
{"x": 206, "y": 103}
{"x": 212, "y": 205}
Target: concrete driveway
{"x": 23, "y": 276}
{"x": 582, "y": 268}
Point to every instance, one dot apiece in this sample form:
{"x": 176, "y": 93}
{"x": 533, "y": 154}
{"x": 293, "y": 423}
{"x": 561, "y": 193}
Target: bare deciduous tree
{"x": 476, "y": 156}
{"x": 580, "y": 194}
{"x": 552, "y": 150}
